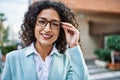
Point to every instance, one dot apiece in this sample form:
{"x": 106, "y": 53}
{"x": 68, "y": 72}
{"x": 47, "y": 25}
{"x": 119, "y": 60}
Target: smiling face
{"x": 46, "y": 35}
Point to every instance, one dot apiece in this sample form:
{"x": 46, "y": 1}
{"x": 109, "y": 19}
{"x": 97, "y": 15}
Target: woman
{"x": 52, "y": 46}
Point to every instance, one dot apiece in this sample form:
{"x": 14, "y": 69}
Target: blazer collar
{"x": 29, "y": 69}
{"x": 28, "y": 66}
{"x": 30, "y": 50}
{"x": 57, "y": 67}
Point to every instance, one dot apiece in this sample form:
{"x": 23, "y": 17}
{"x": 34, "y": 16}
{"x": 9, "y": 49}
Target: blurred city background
{"x": 99, "y": 25}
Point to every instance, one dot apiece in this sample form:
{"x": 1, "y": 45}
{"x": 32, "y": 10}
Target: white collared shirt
{"x": 42, "y": 67}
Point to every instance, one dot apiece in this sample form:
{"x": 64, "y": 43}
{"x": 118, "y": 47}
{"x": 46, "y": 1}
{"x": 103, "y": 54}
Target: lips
{"x": 46, "y": 36}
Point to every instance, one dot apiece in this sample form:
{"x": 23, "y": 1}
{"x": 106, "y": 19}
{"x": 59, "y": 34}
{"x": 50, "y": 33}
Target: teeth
{"x": 45, "y": 35}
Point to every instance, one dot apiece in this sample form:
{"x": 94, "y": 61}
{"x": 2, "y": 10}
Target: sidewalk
{"x": 97, "y": 73}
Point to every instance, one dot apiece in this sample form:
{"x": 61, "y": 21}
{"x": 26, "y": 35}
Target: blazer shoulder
{"x": 16, "y": 53}
{"x": 67, "y": 56}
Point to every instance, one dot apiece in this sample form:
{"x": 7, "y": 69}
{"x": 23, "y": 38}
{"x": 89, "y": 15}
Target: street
{"x": 98, "y": 73}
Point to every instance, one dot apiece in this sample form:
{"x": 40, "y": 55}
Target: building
{"x": 97, "y": 19}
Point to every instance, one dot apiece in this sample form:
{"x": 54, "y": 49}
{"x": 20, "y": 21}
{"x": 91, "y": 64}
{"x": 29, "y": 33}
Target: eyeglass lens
{"x": 53, "y": 23}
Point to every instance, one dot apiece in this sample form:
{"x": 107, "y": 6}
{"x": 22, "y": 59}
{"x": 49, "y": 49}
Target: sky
{"x": 14, "y": 12}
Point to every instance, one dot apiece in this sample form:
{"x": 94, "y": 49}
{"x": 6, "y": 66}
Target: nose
{"x": 47, "y": 27}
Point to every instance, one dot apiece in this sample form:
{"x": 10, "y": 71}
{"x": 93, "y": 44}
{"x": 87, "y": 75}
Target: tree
{"x": 3, "y": 31}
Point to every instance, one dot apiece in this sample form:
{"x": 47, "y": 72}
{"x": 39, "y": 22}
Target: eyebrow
{"x": 46, "y": 19}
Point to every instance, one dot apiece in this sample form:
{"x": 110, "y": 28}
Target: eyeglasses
{"x": 54, "y": 24}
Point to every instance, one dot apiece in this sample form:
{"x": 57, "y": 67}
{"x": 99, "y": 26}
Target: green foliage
{"x": 103, "y": 54}
{"x": 2, "y": 17}
{"x": 4, "y": 33}
{"x": 7, "y": 49}
{"x": 113, "y": 42}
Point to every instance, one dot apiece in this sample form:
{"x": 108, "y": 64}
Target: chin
{"x": 46, "y": 43}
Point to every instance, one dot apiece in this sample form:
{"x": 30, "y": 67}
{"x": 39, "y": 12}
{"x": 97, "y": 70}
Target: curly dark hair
{"x": 27, "y": 28}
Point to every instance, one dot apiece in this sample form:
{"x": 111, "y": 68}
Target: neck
{"x": 43, "y": 50}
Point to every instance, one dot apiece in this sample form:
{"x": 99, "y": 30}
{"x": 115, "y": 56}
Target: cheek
{"x": 56, "y": 34}
{"x": 37, "y": 31}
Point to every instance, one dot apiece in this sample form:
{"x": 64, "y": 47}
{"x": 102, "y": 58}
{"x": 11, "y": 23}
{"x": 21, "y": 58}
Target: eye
{"x": 55, "y": 24}
{"x": 41, "y": 22}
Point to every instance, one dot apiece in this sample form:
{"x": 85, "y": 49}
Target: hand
{"x": 72, "y": 34}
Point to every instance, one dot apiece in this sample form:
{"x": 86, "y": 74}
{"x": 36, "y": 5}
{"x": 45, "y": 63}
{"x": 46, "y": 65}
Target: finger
{"x": 69, "y": 29}
{"x": 74, "y": 41}
{"x": 67, "y": 24}
{"x": 64, "y": 28}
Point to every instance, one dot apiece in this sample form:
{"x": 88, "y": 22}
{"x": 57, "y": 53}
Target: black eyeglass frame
{"x": 50, "y": 23}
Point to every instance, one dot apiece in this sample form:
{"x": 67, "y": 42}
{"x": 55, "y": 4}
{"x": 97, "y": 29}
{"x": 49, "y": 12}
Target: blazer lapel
{"x": 56, "y": 69}
{"x": 28, "y": 66}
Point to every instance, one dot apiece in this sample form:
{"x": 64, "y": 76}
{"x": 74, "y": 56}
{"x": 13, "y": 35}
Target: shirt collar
{"x": 31, "y": 49}
{"x": 54, "y": 50}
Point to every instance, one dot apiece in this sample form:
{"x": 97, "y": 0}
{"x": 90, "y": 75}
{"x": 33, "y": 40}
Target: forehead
{"x": 49, "y": 14}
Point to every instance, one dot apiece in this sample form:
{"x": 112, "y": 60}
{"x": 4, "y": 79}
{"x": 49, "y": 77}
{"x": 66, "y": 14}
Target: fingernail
{"x": 61, "y": 23}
